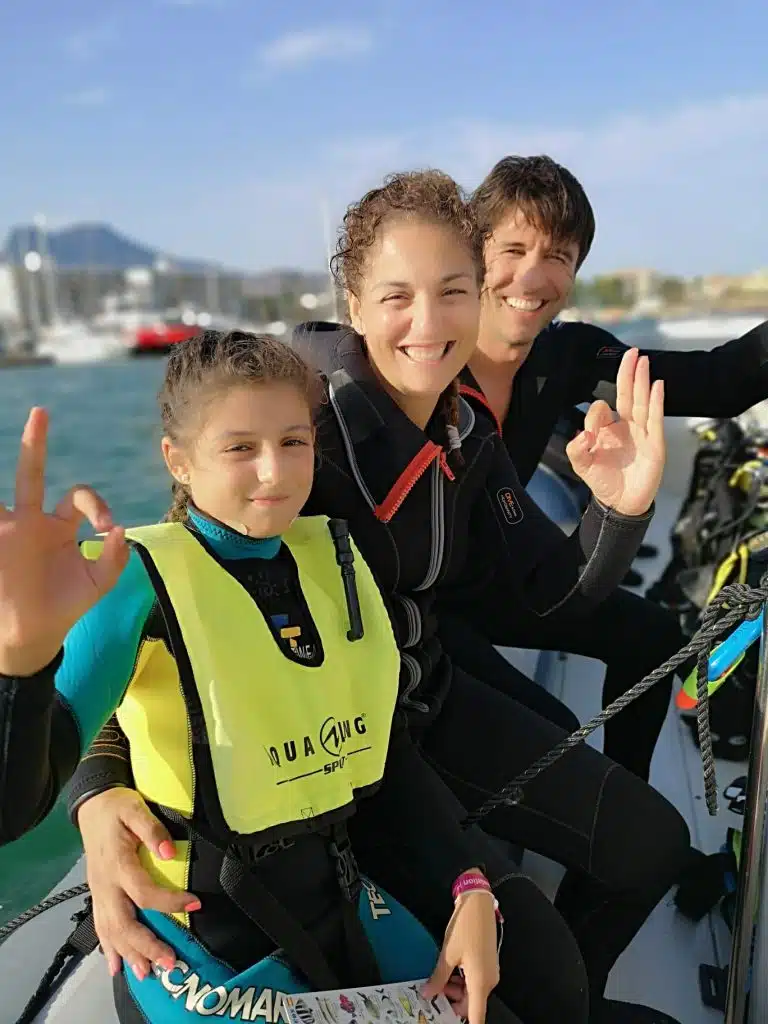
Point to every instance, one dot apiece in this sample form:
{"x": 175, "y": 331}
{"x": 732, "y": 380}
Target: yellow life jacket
{"x": 265, "y": 745}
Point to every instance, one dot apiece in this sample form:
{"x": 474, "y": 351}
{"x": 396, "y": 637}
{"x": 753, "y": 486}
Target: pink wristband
{"x": 469, "y": 882}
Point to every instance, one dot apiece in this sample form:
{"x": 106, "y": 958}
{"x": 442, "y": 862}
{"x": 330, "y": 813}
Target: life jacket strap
{"x": 241, "y": 883}
{"x": 82, "y": 941}
{"x": 362, "y": 959}
{"x": 345, "y": 559}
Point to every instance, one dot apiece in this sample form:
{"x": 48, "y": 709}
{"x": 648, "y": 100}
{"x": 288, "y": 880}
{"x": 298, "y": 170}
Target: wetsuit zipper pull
{"x": 345, "y": 558}
{"x": 444, "y": 465}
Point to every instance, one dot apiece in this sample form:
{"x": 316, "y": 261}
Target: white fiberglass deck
{"x": 661, "y": 967}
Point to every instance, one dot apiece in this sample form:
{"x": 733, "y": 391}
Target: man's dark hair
{"x": 546, "y": 194}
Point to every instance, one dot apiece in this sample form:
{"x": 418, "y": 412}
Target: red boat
{"x": 159, "y": 336}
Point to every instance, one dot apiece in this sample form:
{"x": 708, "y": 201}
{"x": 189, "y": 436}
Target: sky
{"x": 222, "y": 129}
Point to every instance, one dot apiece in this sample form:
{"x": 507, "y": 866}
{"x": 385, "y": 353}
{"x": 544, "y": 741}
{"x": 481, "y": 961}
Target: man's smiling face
{"x": 529, "y": 278}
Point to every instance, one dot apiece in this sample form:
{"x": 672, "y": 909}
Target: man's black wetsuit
{"x": 570, "y": 364}
{"x": 424, "y": 519}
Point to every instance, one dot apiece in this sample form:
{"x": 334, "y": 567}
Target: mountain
{"x": 91, "y": 245}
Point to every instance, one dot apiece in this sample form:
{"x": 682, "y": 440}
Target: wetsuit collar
{"x": 387, "y": 452}
{"x": 227, "y": 543}
{"x": 338, "y": 352}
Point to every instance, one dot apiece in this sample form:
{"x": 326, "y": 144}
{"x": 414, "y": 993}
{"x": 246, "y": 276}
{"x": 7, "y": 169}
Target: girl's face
{"x": 418, "y": 308}
{"x": 252, "y": 463}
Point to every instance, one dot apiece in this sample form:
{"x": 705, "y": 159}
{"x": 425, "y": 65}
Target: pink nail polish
{"x": 166, "y": 850}
{"x": 194, "y": 905}
{"x": 139, "y": 972}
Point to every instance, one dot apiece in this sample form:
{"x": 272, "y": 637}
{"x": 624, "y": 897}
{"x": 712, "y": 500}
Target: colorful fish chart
{"x": 400, "y": 1003}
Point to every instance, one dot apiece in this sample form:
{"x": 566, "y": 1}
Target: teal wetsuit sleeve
{"x": 48, "y": 721}
{"x": 100, "y": 651}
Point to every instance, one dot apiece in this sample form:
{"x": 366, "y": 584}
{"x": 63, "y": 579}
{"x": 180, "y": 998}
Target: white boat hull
{"x": 76, "y": 343}
{"x": 709, "y": 328}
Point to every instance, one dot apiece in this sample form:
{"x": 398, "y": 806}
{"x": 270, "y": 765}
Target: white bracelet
{"x": 485, "y": 892}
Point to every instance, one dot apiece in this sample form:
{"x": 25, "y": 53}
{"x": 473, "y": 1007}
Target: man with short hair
{"x": 539, "y": 226}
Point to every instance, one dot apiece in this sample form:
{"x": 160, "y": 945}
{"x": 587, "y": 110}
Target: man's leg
{"x": 628, "y": 633}
{"x": 631, "y": 636}
{"x": 625, "y": 843}
{"x": 474, "y": 653}
{"x": 651, "y": 635}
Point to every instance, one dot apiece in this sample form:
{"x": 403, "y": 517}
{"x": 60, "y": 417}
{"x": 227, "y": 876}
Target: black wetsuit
{"x": 570, "y": 364}
{"x": 467, "y": 520}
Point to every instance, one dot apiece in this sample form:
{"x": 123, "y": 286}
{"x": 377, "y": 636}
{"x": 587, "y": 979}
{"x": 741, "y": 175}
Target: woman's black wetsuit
{"x": 424, "y": 522}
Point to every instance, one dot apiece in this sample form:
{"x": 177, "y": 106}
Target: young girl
{"x": 420, "y": 473}
{"x": 255, "y": 670}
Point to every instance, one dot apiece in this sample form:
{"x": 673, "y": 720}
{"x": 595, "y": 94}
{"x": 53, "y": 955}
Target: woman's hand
{"x": 113, "y": 826}
{"x": 46, "y": 584}
{"x": 470, "y": 945}
{"x": 621, "y": 459}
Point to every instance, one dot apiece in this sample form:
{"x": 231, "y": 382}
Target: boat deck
{"x": 661, "y": 967}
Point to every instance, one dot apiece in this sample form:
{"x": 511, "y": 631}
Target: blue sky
{"x": 216, "y": 128}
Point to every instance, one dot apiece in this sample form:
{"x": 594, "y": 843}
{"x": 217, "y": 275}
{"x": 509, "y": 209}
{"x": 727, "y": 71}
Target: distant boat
{"x": 714, "y": 327}
{"x": 76, "y": 342}
{"x": 17, "y": 348}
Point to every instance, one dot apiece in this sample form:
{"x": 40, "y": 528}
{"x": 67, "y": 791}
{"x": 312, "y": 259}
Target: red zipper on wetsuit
{"x": 407, "y": 480}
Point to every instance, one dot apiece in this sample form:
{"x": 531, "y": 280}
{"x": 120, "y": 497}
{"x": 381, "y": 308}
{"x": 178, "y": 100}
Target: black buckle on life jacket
{"x": 347, "y": 872}
{"x": 254, "y": 853}
{"x": 345, "y": 559}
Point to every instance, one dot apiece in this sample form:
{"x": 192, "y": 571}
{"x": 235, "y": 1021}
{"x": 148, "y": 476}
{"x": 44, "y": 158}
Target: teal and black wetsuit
{"x": 50, "y": 720}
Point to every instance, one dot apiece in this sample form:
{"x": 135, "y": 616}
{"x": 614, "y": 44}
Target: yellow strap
{"x": 744, "y": 562}
{"x": 741, "y": 476}
{"x": 723, "y": 574}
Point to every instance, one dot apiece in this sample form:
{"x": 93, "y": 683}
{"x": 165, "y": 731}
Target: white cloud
{"x": 297, "y": 49}
{"x": 682, "y": 190}
{"x": 98, "y": 96}
{"x": 634, "y": 146}
{"x": 90, "y": 41}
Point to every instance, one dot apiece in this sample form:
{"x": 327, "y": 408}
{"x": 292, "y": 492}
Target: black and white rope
{"x": 734, "y": 604}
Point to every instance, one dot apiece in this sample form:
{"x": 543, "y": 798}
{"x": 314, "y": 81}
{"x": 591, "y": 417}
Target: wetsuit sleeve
{"x": 49, "y": 719}
{"x": 517, "y": 555}
{"x": 106, "y": 765}
{"x": 415, "y": 811}
{"x": 720, "y": 383}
